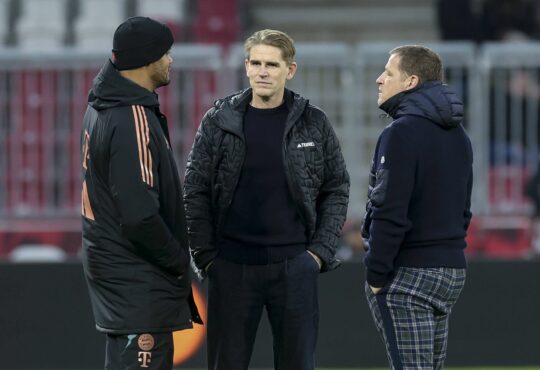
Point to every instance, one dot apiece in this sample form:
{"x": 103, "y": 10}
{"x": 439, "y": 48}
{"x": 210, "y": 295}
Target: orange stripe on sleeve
{"x": 148, "y": 148}
{"x": 85, "y": 148}
{"x": 139, "y": 143}
{"x": 86, "y": 207}
{"x": 144, "y": 142}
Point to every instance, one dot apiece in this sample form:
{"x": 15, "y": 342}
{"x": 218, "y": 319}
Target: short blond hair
{"x": 278, "y": 39}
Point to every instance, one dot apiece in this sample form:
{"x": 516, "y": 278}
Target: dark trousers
{"x": 411, "y": 314}
{"x": 238, "y": 293}
{"x": 139, "y": 351}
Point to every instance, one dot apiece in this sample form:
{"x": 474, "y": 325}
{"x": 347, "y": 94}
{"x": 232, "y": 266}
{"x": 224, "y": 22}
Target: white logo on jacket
{"x": 305, "y": 145}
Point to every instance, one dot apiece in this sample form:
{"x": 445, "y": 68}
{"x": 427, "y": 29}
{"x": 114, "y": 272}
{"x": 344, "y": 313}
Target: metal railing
{"x": 43, "y": 98}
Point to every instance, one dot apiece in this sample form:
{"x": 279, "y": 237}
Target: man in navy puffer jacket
{"x": 418, "y": 210}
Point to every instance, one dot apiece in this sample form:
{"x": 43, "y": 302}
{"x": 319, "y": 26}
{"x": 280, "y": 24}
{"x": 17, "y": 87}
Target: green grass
{"x": 450, "y": 368}
{"x": 386, "y": 368}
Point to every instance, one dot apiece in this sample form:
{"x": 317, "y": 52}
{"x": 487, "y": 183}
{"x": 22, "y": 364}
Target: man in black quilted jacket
{"x": 266, "y": 194}
{"x": 135, "y": 251}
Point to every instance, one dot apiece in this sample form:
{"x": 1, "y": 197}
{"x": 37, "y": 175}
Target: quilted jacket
{"x": 314, "y": 166}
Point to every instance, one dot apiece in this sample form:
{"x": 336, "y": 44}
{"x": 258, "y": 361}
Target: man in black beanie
{"x": 135, "y": 250}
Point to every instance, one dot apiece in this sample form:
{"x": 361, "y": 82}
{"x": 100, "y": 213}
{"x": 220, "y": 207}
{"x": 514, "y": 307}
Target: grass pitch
{"x": 450, "y": 368}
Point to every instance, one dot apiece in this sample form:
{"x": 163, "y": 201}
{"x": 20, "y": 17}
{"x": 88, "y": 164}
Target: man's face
{"x": 267, "y": 72}
{"x": 392, "y": 81}
{"x": 160, "y": 70}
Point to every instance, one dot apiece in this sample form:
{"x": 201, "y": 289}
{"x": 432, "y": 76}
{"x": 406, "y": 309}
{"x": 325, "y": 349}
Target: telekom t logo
{"x": 145, "y": 358}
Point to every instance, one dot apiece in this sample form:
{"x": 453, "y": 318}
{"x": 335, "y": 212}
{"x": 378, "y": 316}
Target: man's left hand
{"x": 317, "y": 259}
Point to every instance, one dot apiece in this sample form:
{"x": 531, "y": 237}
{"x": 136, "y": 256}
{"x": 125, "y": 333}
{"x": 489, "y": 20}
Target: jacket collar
{"x": 230, "y": 110}
{"x": 111, "y": 89}
{"x": 432, "y": 100}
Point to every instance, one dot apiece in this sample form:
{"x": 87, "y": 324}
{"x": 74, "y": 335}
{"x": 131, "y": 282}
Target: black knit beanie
{"x": 140, "y": 41}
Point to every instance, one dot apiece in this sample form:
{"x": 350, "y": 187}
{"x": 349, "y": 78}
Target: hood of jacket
{"x": 110, "y": 89}
{"x": 432, "y": 100}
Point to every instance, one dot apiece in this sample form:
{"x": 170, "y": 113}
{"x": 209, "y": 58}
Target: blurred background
{"x": 50, "y": 50}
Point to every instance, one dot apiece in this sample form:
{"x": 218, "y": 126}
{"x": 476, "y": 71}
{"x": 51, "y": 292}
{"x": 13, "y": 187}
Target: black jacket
{"x": 419, "y": 200}
{"x": 135, "y": 250}
{"x": 314, "y": 167}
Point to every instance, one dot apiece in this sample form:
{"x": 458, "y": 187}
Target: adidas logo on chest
{"x": 306, "y": 145}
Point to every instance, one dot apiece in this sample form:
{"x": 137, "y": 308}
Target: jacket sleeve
{"x": 467, "y": 213}
{"x": 395, "y": 169}
{"x": 134, "y": 180}
{"x": 332, "y": 202}
{"x": 198, "y": 198}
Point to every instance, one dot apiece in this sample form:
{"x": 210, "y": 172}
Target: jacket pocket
{"x": 378, "y": 193}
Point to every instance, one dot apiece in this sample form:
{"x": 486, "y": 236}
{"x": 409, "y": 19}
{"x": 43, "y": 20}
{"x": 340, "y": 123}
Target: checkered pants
{"x": 411, "y": 314}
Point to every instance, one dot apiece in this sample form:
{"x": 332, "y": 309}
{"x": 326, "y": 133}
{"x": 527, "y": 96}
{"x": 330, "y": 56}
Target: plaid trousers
{"x": 411, "y": 314}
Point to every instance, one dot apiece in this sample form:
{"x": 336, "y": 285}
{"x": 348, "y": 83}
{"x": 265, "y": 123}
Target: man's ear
{"x": 412, "y": 82}
{"x": 292, "y": 70}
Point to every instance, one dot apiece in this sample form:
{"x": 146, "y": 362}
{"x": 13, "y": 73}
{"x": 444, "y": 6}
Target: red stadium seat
{"x": 499, "y": 237}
